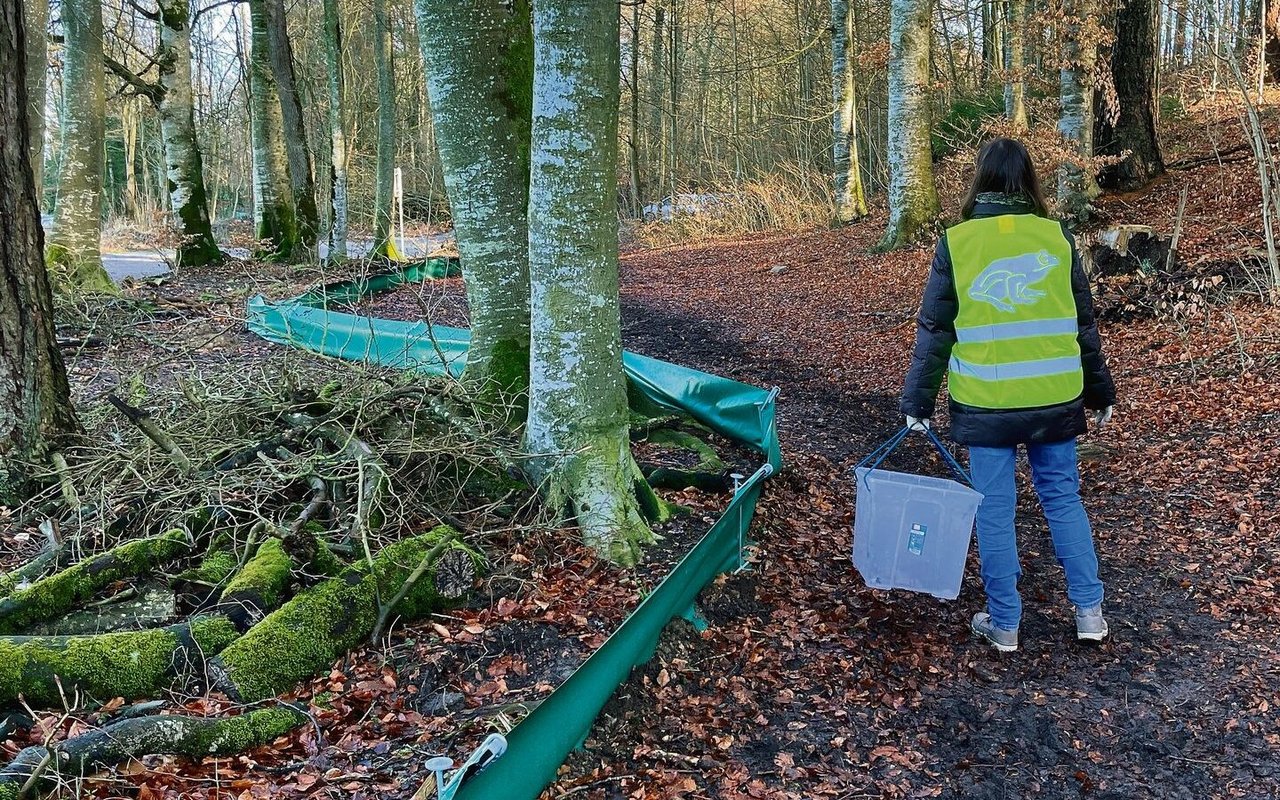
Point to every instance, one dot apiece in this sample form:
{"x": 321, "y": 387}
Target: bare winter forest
{"x": 415, "y": 398}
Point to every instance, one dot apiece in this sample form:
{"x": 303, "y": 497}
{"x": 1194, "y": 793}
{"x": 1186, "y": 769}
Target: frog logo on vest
{"x": 1007, "y": 282}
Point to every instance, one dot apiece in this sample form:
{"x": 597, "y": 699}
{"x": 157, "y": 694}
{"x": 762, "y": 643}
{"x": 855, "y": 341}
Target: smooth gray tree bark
{"x": 478, "y": 58}
{"x": 1076, "y": 184}
{"x": 183, "y": 166}
{"x": 577, "y": 431}
{"x": 1015, "y": 88}
{"x": 74, "y": 251}
{"x": 274, "y": 214}
{"x": 337, "y": 131}
{"x": 913, "y": 198}
{"x": 850, "y": 202}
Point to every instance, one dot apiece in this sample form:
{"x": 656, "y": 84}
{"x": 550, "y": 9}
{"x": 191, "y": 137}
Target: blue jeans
{"x": 1057, "y": 480}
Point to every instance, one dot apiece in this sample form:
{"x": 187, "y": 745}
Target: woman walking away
{"x": 1008, "y": 316}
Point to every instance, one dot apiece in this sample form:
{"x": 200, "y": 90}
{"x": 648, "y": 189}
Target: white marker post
{"x": 397, "y": 197}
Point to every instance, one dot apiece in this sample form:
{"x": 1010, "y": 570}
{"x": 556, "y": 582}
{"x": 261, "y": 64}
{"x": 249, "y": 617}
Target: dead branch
{"x": 143, "y": 421}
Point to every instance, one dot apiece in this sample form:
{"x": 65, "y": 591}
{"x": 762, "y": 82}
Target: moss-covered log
{"x": 306, "y": 635}
{"x": 51, "y": 597}
{"x": 259, "y": 587}
{"x": 42, "y": 769}
{"x": 130, "y": 664}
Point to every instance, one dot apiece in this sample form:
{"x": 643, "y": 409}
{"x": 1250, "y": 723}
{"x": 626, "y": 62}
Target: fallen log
{"x": 54, "y": 596}
{"x": 259, "y": 587}
{"x": 307, "y": 634}
{"x": 132, "y": 664}
{"x": 41, "y": 769}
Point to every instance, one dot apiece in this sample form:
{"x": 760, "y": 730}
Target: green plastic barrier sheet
{"x": 539, "y": 744}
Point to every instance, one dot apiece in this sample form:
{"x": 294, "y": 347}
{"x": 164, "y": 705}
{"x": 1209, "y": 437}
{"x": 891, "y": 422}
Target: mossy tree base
{"x": 41, "y": 769}
{"x": 72, "y": 274}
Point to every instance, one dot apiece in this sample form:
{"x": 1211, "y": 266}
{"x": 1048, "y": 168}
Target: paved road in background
{"x": 141, "y": 264}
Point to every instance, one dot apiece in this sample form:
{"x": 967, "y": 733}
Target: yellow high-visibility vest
{"x": 1016, "y": 329}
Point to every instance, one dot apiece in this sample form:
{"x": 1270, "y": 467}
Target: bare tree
{"x": 75, "y": 240}
{"x": 36, "y": 18}
{"x": 1133, "y": 65}
{"x": 1076, "y": 184}
{"x": 913, "y": 198}
{"x": 337, "y": 131}
{"x": 295, "y": 132}
{"x": 850, "y": 202}
{"x": 479, "y": 67}
{"x": 273, "y": 208}
{"x": 35, "y": 399}
{"x": 577, "y": 432}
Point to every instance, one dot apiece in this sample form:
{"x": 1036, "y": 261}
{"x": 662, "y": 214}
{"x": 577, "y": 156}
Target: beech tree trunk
{"x": 850, "y": 202}
{"x": 577, "y": 427}
{"x": 301, "y": 178}
{"x": 1133, "y": 63}
{"x": 337, "y": 131}
{"x": 385, "y": 170}
{"x": 75, "y": 240}
{"x": 273, "y": 208}
{"x": 183, "y": 165}
{"x": 657, "y": 147}
{"x": 35, "y": 400}
{"x": 36, "y": 18}
{"x": 1271, "y": 30}
{"x": 1076, "y": 186}
{"x": 913, "y": 199}
{"x": 478, "y": 59}
{"x": 1015, "y": 88}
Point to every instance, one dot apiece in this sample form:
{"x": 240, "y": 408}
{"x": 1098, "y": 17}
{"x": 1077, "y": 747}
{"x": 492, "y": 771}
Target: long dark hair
{"x": 1004, "y": 166}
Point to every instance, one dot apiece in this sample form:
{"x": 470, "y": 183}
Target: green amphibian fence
{"x": 539, "y": 744}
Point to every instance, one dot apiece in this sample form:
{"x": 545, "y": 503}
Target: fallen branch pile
{"x": 284, "y": 528}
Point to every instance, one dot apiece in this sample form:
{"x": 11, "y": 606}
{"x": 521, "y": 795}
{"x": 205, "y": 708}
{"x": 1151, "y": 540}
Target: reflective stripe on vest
{"x": 1016, "y": 328}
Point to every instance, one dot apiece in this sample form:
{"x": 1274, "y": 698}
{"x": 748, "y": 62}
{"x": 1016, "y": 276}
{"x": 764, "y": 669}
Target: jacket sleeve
{"x": 1099, "y": 388}
{"x": 935, "y": 336}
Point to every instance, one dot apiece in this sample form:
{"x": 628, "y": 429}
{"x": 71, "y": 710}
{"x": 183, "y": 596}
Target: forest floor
{"x": 807, "y": 684}
{"x": 810, "y": 685}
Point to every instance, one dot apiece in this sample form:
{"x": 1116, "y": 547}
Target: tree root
{"x": 47, "y": 670}
{"x": 54, "y": 596}
{"x": 40, "y": 769}
{"x": 306, "y": 635}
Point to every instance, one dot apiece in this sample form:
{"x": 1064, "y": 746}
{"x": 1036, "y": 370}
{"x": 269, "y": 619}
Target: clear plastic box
{"x": 912, "y": 531}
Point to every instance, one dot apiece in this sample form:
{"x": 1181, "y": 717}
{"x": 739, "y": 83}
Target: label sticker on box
{"x": 915, "y": 541}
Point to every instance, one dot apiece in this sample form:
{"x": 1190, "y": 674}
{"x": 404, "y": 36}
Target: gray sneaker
{"x": 1091, "y": 626}
{"x": 1003, "y": 640}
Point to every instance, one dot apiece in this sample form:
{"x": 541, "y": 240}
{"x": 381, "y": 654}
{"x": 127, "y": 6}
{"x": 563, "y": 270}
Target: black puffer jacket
{"x": 936, "y": 335}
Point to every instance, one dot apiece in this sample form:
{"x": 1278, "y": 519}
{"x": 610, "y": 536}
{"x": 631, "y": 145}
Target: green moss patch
{"x": 54, "y": 596}
{"x": 131, "y": 665}
{"x": 308, "y": 633}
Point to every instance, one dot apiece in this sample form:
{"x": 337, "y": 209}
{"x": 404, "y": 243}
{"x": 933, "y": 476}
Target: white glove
{"x": 917, "y": 424}
{"x": 1102, "y": 417}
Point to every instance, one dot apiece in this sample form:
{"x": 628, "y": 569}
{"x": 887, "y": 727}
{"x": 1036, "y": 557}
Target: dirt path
{"x": 813, "y": 686}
